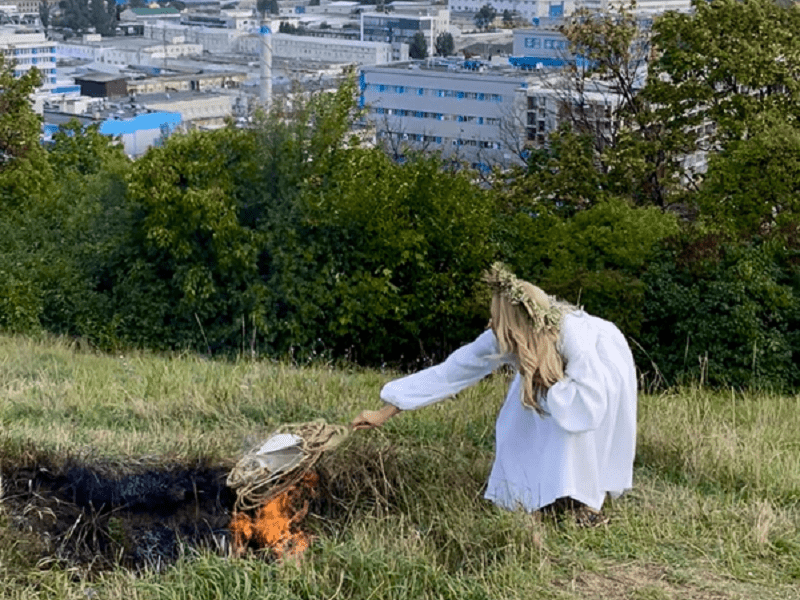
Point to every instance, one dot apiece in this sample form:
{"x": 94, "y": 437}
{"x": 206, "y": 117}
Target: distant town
{"x": 481, "y": 81}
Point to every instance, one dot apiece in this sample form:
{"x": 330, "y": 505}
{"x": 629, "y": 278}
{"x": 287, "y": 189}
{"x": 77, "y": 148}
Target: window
{"x": 548, "y": 44}
{"x": 421, "y": 92}
{"x": 533, "y": 42}
{"x": 481, "y": 97}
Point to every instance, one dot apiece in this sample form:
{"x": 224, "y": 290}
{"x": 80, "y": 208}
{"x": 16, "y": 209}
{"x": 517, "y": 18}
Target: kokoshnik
{"x": 567, "y": 428}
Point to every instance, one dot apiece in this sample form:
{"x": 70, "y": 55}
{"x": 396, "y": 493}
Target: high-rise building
{"x": 28, "y": 50}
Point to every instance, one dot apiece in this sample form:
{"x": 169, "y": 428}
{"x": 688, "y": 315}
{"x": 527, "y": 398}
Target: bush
{"x": 593, "y": 259}
{"x": 722, "y": 313}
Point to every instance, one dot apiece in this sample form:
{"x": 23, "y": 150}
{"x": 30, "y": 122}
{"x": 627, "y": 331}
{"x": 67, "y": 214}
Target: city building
{"x": 402, "y": 24}
{"x": 543, "y": 46}
{"x": 136, "y": 132}
{"x": 197, "y": 111}
{"x": 143, "y": 131}
{"x": 481, "y": 114}
{"x": 28, "y": 50}
{"x": 526, "y": 9}
{"x": 643, "y": 7}
{"x": 102, "y": 85}
{"x": 310, "y": 48}
{"x": 144, "y": 14}
{"x": 124, "y": 50}
{"x": 465, "y": 110}
{"x": 186, "y": 82}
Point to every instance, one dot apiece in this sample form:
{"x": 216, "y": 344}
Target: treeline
{"x": 292, "y": 239}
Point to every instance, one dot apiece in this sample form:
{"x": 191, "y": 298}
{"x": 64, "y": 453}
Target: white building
{"x": 198, "y": 111}
{"x": 29, "y": 50}
{"x": 308, "y": 48}
{"x": 212, "y": 39}
{"x": 527, "y": 9}
{"x": 484, "y": 115}
{"x": 124, "y": 51}
{"x": 643, "y": 7}
{"x": 464, "y": 110}
{"x": 402, "y": 24}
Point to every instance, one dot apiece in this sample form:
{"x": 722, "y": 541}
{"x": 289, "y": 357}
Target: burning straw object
{"x": 272, "y": 479}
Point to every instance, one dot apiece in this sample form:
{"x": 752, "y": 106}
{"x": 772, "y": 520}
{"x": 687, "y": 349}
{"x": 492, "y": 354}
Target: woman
{"x": 567, "y": 430}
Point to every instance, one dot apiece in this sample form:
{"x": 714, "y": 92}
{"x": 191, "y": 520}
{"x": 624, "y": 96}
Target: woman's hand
{"x": 369, "y": 419}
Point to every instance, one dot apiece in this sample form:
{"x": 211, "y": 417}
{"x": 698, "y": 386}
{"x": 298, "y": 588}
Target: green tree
{"x": 76, "y": 14}
{"x": 103, "y": 16}
{"x": 44, "y": 14}
{"x": 25, "y": 186}
{"x": 636, "y": 151}
{"x": 418, "y": 48}
{"x": 24, "y": 173}
{"x": 267, "y": 7}
{"x": 752, "y": 187}
{"x": 485, "y": 16}
{"x": 445, "y": 45}
{"x": 726, "y": 71}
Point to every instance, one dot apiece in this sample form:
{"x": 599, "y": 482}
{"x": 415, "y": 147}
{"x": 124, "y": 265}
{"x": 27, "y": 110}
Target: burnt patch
{"x": 96, "y": 517}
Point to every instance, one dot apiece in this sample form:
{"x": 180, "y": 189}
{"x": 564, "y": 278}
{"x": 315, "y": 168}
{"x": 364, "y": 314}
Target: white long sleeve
{"x": 579, "y": 401}
{"x": 463, "y": 368}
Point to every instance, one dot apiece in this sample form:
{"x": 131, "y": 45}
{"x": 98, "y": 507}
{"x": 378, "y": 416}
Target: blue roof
{"x": 141, "y": 123}
{"x": 530, "y": 62}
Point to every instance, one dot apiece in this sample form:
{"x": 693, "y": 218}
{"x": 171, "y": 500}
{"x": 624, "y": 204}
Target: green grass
{"x": 715, "y": 512}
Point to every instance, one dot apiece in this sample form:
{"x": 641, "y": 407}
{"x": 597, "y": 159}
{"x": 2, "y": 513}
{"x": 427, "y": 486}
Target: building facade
{"x": 526, "y": 9}
{"x": 403, "y": 26}
{"x": 310, "y": 48}
{"x": 463, "y": 110}
{"x": 29, "y": 50}
{"x": 540, "y": 47}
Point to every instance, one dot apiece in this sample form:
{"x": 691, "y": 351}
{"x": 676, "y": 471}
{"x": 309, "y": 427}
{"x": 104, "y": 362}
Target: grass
{"x": 715, "y": 512}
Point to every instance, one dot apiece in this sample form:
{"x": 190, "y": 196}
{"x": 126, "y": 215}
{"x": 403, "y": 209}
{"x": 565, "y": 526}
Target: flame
{"x": 274, "y": 524}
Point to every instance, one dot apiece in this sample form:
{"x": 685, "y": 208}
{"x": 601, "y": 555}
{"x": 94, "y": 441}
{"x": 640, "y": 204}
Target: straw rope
{"x": 255, "y": 484}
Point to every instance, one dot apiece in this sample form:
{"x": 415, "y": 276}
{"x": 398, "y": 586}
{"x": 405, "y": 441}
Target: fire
{"x": 276, "y": 523}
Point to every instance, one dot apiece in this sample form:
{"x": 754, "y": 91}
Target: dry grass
{"x": 715, "y": 512}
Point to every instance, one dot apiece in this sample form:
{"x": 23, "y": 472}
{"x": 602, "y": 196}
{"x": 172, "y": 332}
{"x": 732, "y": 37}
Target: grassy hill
{"x": 715, "y": 512}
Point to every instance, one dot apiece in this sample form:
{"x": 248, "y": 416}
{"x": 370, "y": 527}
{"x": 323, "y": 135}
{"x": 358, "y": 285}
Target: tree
{"x": 730, "y": 65}
{"x": 508, "y": 18}
{"x": 636, "y": 151}
{"x": 104, "y": 17}
{"x": 267, "y": 6}
{"x": 44, "y": 14}
{"x": 418, "y": 48}
{"x": 445, "y": 46}
{"x": 24, "y": 173}
{"x": 752, "y": 188}
{"x": 485, "y": 16}
{"x": 76, "y": 14}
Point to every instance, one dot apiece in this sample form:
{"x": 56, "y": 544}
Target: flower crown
{"x": 503, "y": 281}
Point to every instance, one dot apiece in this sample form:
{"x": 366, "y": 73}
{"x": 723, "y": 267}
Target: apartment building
{"x": 29, "y": 50}
{"x": 527, "y": 9}
{"x": 403, "y": 24}
{"x": 481, "y": 114}
{"x": 463, "y": 109}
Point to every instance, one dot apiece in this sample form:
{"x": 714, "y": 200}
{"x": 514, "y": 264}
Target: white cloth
{"x": 583, "y": 448}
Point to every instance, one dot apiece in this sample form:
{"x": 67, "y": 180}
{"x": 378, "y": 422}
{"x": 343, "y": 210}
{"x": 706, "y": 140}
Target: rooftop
{"x": 146, "y": 12}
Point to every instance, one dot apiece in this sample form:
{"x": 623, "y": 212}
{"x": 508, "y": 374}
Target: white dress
{"x": 583, "y": 448}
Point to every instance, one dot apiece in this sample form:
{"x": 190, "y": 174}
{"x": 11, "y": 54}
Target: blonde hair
{"x": 535, "y": 346}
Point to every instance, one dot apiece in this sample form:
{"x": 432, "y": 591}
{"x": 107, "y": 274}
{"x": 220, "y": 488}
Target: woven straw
{"x": 254, "y": 482}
